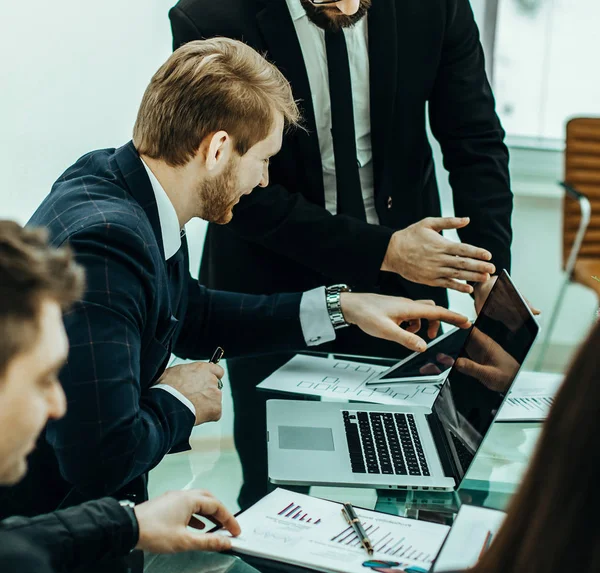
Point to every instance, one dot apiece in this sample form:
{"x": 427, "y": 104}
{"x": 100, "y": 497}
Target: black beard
{"x": 322, "y": 17}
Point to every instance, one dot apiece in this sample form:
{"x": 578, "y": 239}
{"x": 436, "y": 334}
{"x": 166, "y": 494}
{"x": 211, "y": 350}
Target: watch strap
{"x": 333, "y": 300}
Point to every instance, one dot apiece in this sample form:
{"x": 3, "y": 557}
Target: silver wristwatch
{"x": 334, "y": 305}
{"x": 129, "y": 507}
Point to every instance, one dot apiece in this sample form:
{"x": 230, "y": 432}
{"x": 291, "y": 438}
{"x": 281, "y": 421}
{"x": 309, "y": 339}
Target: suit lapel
{"x": 284, "y": 50}
{"x": 383, "y": 66}
{"x": 139, "y": 186}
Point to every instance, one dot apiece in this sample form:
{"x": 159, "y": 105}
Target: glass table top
{"x": 491, "y": 481}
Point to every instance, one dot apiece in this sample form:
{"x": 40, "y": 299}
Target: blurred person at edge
{"x": 37, "y": 284}
{"x": 552, "y": 522}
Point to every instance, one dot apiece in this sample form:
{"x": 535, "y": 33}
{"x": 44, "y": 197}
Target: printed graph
{"x": 541, "y": 403}
{"x": 384, "y": 543}
{"x": 295, "y": 512}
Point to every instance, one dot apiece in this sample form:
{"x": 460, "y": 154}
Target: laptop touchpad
{"x": 302, "y": 438}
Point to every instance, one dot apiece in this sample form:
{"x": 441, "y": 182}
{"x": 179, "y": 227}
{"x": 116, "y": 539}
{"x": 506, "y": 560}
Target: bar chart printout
{"x": 385, "y": 543}
{"x": 310, "y": 532}
{"x": 294, "y": 511}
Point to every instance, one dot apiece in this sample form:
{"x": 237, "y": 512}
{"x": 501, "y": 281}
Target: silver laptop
{"x": 399, "y": 447}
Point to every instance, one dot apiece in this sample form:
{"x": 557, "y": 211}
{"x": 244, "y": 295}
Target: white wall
{"x": 550, "y": 52}
{"x": 74, "y": 81}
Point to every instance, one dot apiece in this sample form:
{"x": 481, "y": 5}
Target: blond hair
{"x": 207, "y": 86}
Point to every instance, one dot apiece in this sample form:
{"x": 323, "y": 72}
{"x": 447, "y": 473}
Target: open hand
{"x": 163, "y": 523}
{"x": 381, "y": 317}
{"x": 421, "y": 254}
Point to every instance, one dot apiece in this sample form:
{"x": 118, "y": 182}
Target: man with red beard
{"x": 353, "y": 198}
{"x": 210, "y": 119}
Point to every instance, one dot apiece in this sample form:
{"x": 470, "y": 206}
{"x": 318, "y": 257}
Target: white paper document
{"x": 344, "y": 380}
{"x": 529, "y": 400}
{"x": 531, "y": 397}
{"x": 311, "y": 532}
{"x": 472, "y": 532}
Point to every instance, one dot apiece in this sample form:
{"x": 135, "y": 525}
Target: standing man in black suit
{"x": 209, "y": 121}
{"x": 354, "y": 198}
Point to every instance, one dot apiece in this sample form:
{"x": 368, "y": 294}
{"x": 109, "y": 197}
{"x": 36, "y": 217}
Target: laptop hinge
{"x": 443, "y": 448}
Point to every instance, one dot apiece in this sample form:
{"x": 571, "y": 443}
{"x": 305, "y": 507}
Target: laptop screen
{"x": 484, "y": 371}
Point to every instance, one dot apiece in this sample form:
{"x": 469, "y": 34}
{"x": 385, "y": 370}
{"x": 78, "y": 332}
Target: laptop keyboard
{"x": 464, "y": 455}
{"x": 384, "y": 443}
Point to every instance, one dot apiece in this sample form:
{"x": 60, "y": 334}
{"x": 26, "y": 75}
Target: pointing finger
{"x": 389, "y": 330}
{"x": 432, "y": 313}
{"x": 443, "y": 223}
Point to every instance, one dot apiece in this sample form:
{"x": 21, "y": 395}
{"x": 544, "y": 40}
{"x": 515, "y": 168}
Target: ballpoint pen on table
{"x": 354, "y": 522}
{"x": 217, "y": 355}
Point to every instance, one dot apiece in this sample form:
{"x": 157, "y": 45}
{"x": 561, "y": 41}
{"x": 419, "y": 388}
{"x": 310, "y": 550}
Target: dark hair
{"x": 552, "y": 525}
{"x": 31, "y": 270}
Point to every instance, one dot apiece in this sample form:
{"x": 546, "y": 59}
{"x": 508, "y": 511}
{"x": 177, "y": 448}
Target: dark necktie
{"x": 349, "y": 193}
{"x": 176, "y": 274}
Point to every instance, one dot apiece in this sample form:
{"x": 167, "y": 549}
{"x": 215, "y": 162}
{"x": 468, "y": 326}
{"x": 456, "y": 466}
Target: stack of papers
{"x": 472, "y": 532}
{"x": 531, "y": 397}
{"x": 330, "y": 378}
{"x": 309, "y": 532}
{"x": 345, "y": 380}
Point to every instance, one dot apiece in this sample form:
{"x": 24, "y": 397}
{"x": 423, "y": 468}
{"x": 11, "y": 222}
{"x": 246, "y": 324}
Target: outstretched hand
{"x": 163, "y": 523}
{"x": 382, "y": 316}
{"x": 421, "y": 254}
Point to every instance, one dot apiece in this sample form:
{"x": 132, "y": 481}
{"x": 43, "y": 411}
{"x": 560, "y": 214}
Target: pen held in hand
{"x": 353, "y": 520}
{"x": 217, "y": 355}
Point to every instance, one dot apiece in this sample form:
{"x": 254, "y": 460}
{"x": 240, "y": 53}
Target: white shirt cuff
{"x": 177, "y": 395}
{"x": 314, "y": 318}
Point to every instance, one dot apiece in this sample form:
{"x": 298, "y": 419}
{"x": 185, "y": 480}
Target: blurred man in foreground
{"x": 37, "y": 283}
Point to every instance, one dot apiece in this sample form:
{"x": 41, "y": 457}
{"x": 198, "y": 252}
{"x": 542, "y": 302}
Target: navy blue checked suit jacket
{"x": 132, "y": 316}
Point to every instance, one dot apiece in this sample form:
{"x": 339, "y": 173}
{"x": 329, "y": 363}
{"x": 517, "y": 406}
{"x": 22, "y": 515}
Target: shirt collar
{"x": 167, "y": 216}
{"x": 296, "y": 9}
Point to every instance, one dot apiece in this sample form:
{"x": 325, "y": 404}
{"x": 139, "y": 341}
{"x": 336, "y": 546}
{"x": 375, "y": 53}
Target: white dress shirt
{"x": 314, "y": 318}
{"x": 312, "y": 42}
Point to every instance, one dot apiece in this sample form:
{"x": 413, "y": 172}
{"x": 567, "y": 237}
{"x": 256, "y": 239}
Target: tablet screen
{"x": 438, "y": 358}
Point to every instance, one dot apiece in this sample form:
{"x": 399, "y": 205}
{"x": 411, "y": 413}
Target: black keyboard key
{"x": 355, "y": 450}
{"x": 384, "y": 443}
{"x": 464, "y": 454}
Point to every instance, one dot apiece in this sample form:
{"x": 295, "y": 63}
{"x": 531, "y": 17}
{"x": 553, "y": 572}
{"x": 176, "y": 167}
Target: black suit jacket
{"x": 136, "y": 310}
{"x": 420, "y": 51}
{"x": 63, "y": 541}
